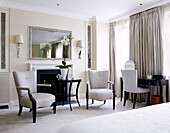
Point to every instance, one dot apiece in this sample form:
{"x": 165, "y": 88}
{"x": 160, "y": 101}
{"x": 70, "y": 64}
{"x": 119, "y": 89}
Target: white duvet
{"x": 152, "y": 119}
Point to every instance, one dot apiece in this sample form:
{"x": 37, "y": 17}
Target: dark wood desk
{"x": 151, "y": 82}
{"x": 64, "y": 84}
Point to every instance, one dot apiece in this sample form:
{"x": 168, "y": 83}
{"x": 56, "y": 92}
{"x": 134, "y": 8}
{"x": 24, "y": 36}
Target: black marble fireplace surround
{"x": 45, "y": 77}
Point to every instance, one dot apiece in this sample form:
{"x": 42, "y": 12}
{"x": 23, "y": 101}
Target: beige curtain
{"x": 112, "y": 53}
{"x": 146, "y": 42}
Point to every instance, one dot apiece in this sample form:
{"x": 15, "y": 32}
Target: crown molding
{"x": 40, "y": 10}
{"x": 126, "y": 14}
{"x": 122, "y": 15}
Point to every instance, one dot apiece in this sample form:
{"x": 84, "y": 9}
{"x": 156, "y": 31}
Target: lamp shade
{"x": 19, "y": 39}
{"x": 79, "y": 44}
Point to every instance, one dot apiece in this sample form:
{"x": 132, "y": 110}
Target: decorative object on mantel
{"x": 66, "y": 40}
{"x": 18, "y": 39}
{"x": 64, "y": 69}
{"x": 80, "y": 46}
{"x": 47, "y": 49}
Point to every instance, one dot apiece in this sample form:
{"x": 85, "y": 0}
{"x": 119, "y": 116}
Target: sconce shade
{"x": 79, "y": 44}
{"x": 18, "y": 39}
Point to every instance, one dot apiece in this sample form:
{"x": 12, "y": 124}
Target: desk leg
{"x": 161, "y": 94}
{"x": 70, "y": 95}
{"x": 121, "y": 84}
{"x": 167, "y": 92}
{"x": 77, "y": 93}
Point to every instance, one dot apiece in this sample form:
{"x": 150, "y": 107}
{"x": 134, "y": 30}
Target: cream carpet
{"x": 47, "y": 122}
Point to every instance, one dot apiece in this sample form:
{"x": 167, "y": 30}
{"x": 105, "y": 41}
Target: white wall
{"x": 102, "y": 46}
{"x": 19, "y": 22}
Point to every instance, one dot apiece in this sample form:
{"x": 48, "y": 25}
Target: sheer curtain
{"x": 166, "y": 38}
{"x": 166, "y": 41}
{"x": 121, "y": 49}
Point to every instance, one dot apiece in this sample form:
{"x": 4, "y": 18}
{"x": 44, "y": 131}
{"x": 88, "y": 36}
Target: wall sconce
{"x": 80, "y": 46}
{"x": 18, "y": 40}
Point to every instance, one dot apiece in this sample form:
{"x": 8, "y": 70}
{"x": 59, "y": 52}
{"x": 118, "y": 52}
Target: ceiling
{"x": 102, "y": 10}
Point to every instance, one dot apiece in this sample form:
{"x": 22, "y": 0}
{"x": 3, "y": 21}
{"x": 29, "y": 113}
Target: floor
{"x": 47, "y": 122}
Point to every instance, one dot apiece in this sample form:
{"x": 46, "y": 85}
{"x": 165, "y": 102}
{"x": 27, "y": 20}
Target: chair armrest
{"x": 113, "y": 87}
{"x": 29, "y": 94}
{"x": 111, "y": 82}
{"x": 44, "y": 85}
{"x": 87, "y": 85}
{"x": 22, "y": 88}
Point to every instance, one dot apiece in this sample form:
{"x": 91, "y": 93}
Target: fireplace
{"x": 45, "y": 73}
{"x": 45, "y": 77}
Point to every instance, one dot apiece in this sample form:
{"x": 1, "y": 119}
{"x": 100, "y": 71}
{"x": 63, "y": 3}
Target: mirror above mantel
{"x": 47, "y": 44}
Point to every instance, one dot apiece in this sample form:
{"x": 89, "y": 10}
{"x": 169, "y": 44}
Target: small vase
{"x": 64, "y": 72}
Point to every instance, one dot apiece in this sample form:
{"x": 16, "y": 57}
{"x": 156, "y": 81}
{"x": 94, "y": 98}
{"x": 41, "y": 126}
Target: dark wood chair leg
{"x": 92, "y": 101}
{"x": 149, "y": 99}
{"x": 104, "y": 101}
{"x": 30, "y": 110}
{"x": 20, "y": 110}
{"x": 132, "y": 97}
{"x": 114, "y": 101}
{"x": 125, "y": 97}
{"x": 54, "y": 107}
{"x": 121, "y": 81}
{"x": 135, "y": 95}
{"x": 34, "y": 112}
{"x": 87, "y": 98}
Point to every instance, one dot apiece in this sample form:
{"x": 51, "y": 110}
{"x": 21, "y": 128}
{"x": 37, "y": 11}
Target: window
{"x": 121, "y": 48}
{"x": 166, "y": 41}
{"x": 89, "y": 46}
{"x": 4, "y": 40}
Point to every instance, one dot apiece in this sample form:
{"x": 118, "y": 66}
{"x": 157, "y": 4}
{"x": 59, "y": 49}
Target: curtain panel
{"x": 112, "y": 53}
{"x": 146, "y": 42}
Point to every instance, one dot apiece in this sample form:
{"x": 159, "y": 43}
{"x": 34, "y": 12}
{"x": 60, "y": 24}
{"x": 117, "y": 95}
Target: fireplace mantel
{"x": 41, "y": 66}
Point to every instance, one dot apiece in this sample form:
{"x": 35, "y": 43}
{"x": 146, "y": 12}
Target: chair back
{"x": 129, "y": 80}
{"x": 98, "y": 79}
{"x": 25, "y": 79}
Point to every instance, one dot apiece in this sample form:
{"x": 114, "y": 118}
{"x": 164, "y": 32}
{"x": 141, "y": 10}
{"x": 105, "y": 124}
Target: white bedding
{"x": 152, "y": 119}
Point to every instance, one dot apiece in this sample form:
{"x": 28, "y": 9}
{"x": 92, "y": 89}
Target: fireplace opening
{"x": 46, "y": 77}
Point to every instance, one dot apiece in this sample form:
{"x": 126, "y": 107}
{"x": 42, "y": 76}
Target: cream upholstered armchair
{"x": 27, "y": 93}
{"x": 98, "y": 81}
{"x": 130, "y": 85}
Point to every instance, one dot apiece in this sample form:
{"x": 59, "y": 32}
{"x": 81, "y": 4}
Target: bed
{"x": 152, "y": 119}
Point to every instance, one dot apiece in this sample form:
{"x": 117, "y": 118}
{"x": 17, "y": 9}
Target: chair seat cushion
{"x": 100, "y": 94}
{"x": 140, "y": 90}
{"x": 42, "y": 100}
